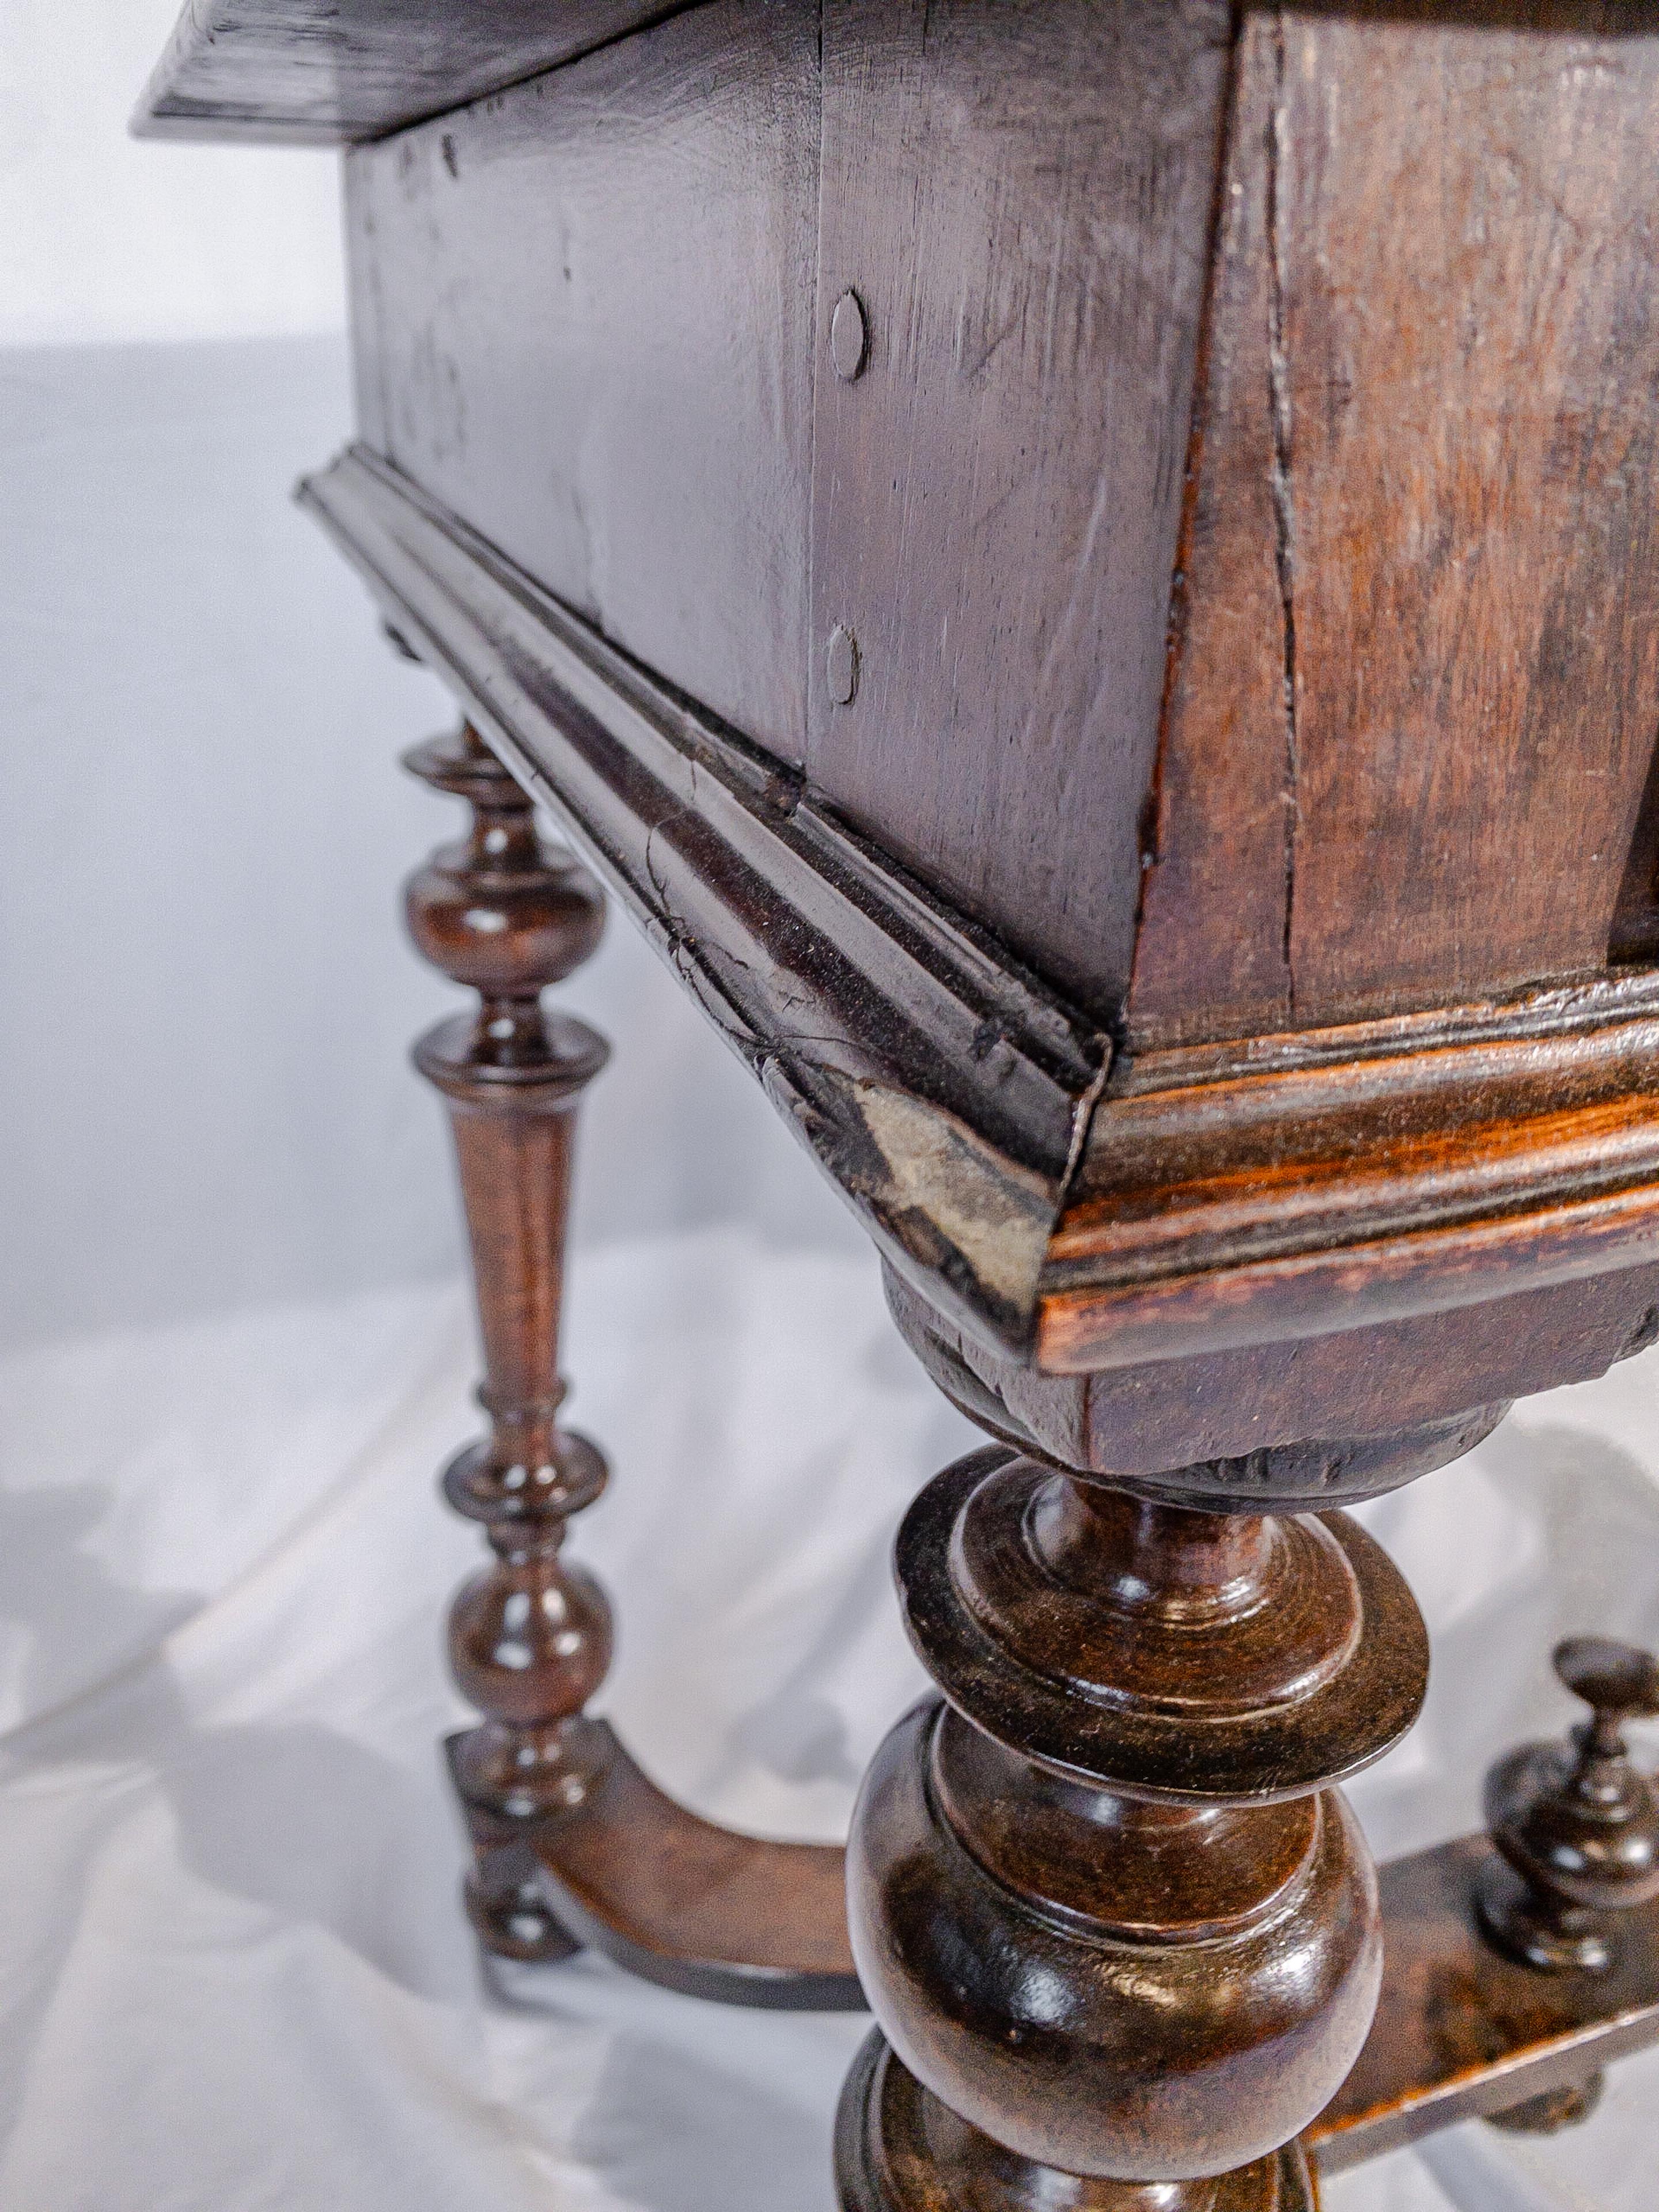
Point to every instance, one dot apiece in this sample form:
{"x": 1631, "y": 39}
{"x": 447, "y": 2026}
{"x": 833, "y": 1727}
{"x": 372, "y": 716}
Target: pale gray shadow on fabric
{"x": 290, "y": 1816}
{"x": 1594, "y": 1571}
{"x": 794, "y": 1731}
{"x": 671, "y": 2134}
{"x": 81, "y": 1628}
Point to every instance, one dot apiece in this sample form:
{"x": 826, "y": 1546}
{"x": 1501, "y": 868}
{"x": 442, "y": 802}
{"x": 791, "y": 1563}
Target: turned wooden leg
{"x": 573, "y": 1843}
{"x": 1119, "y": 1930}
{"x": 530, "y": 1637}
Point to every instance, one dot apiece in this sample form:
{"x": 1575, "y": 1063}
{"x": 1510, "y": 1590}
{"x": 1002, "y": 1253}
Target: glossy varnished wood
{"x": 572, "y": 1844}
{"x": 1112, "y": 1918}
{"x": 1317, "y": 1180}
{"x": 1113, "y": 652}
{"x": 893, "y": 2140}
{"x": 1575, "y": 1825}
{"x": 681, "y": 1901}
{"x": 1462, "y": 2030}
{"x": 529, "y": 1635}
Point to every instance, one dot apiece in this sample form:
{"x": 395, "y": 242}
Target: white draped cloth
{"x": 235, "y": 1974}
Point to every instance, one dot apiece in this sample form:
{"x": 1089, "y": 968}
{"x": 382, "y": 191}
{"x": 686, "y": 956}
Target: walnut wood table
{"x": 1085, "y": 570}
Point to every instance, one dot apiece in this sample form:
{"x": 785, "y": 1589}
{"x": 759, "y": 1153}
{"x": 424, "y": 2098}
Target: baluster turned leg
{"x": 530, "y": 1637}
{"x": 1119, "y": 1930}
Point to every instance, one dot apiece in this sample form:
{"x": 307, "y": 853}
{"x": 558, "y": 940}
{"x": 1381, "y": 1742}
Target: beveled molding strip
{"x": 1214, "y": 1196}
{"x": 943, "y": 1091}
{"x": 1448, "y": 1160}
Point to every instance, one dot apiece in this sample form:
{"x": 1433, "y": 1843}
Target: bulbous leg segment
{"x": 1109, "y": 1987}
{"x": 898, "y": 2149}
{"x": 1120, "y": 1933}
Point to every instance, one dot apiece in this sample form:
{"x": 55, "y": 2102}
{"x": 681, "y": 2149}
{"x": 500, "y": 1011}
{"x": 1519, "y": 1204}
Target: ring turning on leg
{"x": 1119, "y": 1930}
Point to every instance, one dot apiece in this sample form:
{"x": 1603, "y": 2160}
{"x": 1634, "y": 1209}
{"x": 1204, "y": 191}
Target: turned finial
{"x": 1576, "y": 1825}
{"x": 501, "y": 911}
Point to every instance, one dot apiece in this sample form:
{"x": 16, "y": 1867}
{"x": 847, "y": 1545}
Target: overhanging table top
{"x": 327, "y": 72}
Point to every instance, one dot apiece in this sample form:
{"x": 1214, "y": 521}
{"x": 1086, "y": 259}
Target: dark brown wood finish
{"x": 583, "y": 313}
{"x": 1086, "y": 573}
{"x": 530, "y": 1638}
{"x": 1576, "y": 1827}
{"x": 675, "y": 1899}
{"x": 313, "y": 72}
{"x": 1462, "y": 2030}
{"x": 1173, "y": 1962}
{"x": 944, "y": 1092}
{"x": 996, "y": 491}
{"x": 571, "y": 1841}
{"x": 1412, "y": 772}
{"x": 951, "y": 1097}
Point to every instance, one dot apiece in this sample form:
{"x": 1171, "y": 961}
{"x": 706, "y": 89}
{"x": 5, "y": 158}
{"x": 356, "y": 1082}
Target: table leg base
{"x": 667, "y": 1894}
{"x": 898, "y": 2149}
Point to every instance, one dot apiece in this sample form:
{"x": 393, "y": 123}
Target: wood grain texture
{"x": 315, "y": 72}
{"x": 584, "y": 322}
{"x": 947, "y": 1095}
{"x": 1460, "y": 2030}
{"x": 1210, "y": 948}
{"x": 1435, "y": 350}
{"x": 1320, "y": 1182}
{"x": 1021, "y": 199}
{"x": 733, "y": 1918}
{"x": 944, "y": 1093}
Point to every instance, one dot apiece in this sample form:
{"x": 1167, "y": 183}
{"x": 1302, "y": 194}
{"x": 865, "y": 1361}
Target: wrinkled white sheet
{"x": 232, "y": 1971}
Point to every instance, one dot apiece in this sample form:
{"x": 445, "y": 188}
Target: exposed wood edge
{"x": 941, "y": 1090}
{"x": 1322, "y": 1293}
{"x": 1546, "y": 1010}
{"x": 1245, "y": 1211}
{"x": 1565, "y": 2063}
{"x": 197, "y": 90}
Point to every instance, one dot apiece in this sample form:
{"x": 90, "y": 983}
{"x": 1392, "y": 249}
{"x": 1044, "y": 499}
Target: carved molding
{"x": 1081, "y": 1212}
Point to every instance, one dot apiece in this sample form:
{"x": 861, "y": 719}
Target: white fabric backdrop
{"x": 234, "y": 1973}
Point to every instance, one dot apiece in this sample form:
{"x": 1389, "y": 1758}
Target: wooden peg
{"x": 1576, "y": 1827}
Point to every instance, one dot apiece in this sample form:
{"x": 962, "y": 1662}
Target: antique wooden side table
{"x": 1085, "y": 569}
